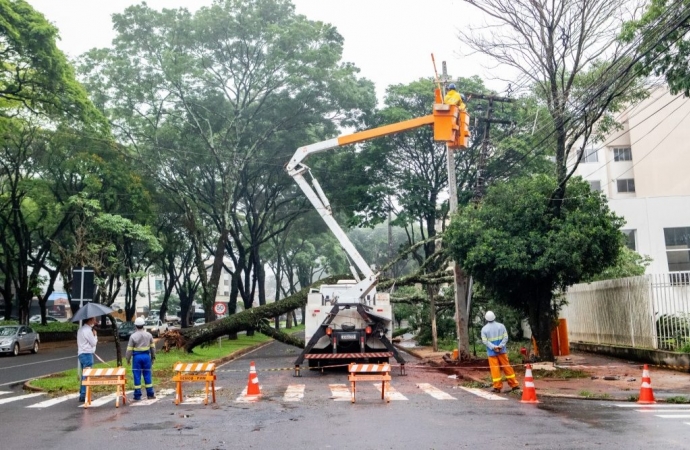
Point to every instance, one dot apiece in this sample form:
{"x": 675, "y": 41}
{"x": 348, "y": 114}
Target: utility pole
{"x": 480, "y": 186}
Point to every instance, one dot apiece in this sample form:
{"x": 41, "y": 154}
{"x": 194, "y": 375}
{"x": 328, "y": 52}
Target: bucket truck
{"x": 351, "y": 321}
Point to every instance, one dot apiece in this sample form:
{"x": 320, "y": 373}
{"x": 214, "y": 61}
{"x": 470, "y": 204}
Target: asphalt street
{"x": 428, "y": 410}
{"x": 49, "y": 359}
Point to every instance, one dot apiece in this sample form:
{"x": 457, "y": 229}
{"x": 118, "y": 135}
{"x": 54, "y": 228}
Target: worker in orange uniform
{"x": 453, "y": 97}
{"x": 495, "y": 338}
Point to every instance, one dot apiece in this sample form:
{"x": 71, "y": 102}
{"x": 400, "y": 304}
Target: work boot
{"x": 81, "y": 400}
{"x": 151, "y": 397}
{"x": 515, "y": 388}
{"x": 498, "y": 391}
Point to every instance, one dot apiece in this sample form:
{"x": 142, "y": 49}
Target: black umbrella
{"x": 90, "y": 310}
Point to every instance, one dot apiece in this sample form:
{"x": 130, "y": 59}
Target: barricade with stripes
{"x": 370, "y": 372}
{"x": 195, "y": 372}
{"x": 105, "y": 377}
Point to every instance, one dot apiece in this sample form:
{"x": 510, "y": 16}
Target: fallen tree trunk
{"x": 285, "y": 338}
{"x": 253, "y": 318}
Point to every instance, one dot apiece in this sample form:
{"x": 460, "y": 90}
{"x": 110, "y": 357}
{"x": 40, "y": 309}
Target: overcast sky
{"x": 391, "y": 41}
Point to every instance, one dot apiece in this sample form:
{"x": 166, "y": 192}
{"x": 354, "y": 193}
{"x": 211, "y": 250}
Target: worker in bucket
{"x": 142, "y": 351}
{"x": 453, "y": 97}
{"x": 495, "y": 338}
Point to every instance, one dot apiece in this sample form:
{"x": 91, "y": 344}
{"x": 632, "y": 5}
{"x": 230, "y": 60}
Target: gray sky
{"x": 391, "y": 41}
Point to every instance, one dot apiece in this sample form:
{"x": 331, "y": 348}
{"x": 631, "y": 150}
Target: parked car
{"x": 125, "y": 330}
{"x": 156, "y": 327}
{"x": 18, "y": 338}
{"x": 199, "y": 322}
{"x": 37, "y": 319}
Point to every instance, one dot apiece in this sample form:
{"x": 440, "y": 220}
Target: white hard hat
{"x": 139, "y": 322}
{"x": 490, "y": 316}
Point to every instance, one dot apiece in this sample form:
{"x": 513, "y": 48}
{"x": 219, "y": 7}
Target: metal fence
{"x": 649, "y": 311}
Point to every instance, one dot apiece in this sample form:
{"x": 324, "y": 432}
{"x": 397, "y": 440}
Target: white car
{"x": 37, "y": 319}
{"x": 156, "y": 327}
{"x": 200, "y": 321}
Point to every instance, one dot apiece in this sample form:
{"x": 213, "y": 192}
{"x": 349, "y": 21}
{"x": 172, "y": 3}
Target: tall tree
{"x": 521, "y": 255}
{"x": 213, "y": 104}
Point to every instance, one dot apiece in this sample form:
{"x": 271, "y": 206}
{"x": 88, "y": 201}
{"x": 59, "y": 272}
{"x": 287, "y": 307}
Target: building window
{"x": 226, "y": 293}
{"x": 590, "y": 155}
{"x": 158, "y": 285}
{"x": 595, "y": 185}
{"x": 622, "y": 154}
{"x": 626, "y": 185}
{"x": 630, "y": 238}
{"x": 677, "y": 248}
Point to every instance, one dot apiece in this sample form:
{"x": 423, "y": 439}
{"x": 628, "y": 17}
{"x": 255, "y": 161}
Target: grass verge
{"x": 67, "y": 382}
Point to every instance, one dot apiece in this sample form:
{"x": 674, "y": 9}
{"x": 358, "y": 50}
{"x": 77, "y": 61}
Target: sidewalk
{"x": 605, "y": 378}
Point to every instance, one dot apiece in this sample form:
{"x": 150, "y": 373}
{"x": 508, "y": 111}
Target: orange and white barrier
{"x": 370, "y": 372}
{"x": 646, "y": 393}
{"x": 529, "y": 394}
{"x": 105, "y": 377}
{"x": 195, "y": 372}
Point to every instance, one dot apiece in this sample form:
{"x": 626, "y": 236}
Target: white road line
{"x": 294, "y": 393}
{"x": 392, "y": 393}
{"x": 435, "y": 392}
{"x": 159, "y": 395}
{"x": 103, "y": 400}
{"x": 662, "y": 410}
{"x": 5, "y": 392}
{"x": 483, "y": 394}
{"x": 244, "y": 398}
{"x": 20, "y": 397}
{"x": 37, "y": 362}
{"x": 674, "y": 416}
{"x": 339, "y": 392}
{"x": 198, "y": 399}
{"x": 54, "y": 401}
{"x": 641, "y": 405}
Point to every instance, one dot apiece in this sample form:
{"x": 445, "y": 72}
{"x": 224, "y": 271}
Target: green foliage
{"x": 53, "y": 327}
{"x": 673, "y": 331}
{"x": 565, "y": 374}
{"x": 34, "y": 73}
{"x": 514, "y": 239}
{"x": 678, "y": 399}
{"x": 628, "y": 264}
{"x": 662, "y": 41}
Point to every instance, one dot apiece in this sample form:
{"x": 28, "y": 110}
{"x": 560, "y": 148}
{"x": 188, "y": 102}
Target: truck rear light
{"x": 379, "y": 310}
{"x": 329, "y": 331}
{"x": 317, "y": 310}
{"x": 367, "y": 330}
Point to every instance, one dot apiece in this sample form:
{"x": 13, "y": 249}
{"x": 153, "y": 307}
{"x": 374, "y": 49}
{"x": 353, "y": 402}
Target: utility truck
{"x": 351, "y": 321}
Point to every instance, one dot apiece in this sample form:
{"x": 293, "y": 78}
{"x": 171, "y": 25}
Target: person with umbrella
{"x": 87, "y": 338}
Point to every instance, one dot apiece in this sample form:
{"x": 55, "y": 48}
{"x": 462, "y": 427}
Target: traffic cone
{"x": 253, "y": 387}
{"x": 646, "y": 393}
{"x": 529, "y": 394}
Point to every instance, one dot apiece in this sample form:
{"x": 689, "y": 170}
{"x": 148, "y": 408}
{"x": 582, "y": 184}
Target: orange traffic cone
{"x": 529, "y": 394}
{"x": 646, "y": 393}
{"x": 253, "y": 387}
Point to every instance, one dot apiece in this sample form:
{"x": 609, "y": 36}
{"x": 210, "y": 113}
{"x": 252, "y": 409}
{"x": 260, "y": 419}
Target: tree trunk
{"x": 542, "y": 319}
{"x": 253, "y": 318}
{"x": 118, "y": 349}
{"x": 432, "y": 316}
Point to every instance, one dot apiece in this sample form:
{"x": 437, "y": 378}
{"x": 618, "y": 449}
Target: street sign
{"x": 219, "y": 308}
{"x": 83, "y": 285}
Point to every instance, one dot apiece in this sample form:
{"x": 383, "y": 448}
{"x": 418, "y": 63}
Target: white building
{"x": 642, "y": 170}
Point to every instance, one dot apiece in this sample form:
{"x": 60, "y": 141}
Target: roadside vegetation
{"x": 67, "y": 382}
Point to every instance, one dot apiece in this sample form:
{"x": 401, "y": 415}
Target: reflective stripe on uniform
{"x": 510, "y": 376}
{"x": 139, "y": 349}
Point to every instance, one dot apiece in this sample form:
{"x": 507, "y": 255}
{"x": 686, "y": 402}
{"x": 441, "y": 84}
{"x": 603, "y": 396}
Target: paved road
{"x": 49, "y": 359}
{"x": 428, "y": 411}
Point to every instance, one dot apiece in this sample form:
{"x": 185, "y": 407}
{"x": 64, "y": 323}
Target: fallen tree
{"x": 253, "y": 318}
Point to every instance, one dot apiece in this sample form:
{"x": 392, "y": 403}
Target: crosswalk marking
{"x": 159, "y": 395}
{"x": 197, "y": 399}
{"x": 244, "y": 398}
{"x": 54, "y": 401}
{"x": 339, "y": 392}
{"x": 19, "y": 397}
{"x": 294, "y": 393}
{"x": 664, "y": 410}
{"x": 483, "y": 394}
{"x": 673, "y": 416}
{"x": 392, "y": 393}
{"x": 5, "y": 392}
{"x": 638, "y": 405}
{"x": 435, "y": 392}
{"x": 103, "y": 400}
